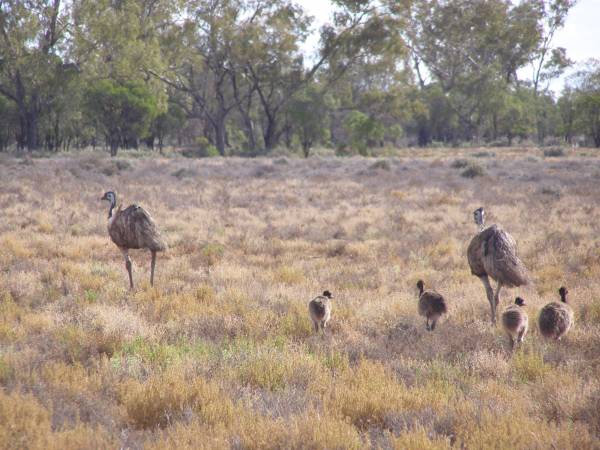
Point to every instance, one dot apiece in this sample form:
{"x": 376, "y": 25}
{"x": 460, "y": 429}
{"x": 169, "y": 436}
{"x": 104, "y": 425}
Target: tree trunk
{"x": 31, "y": 120}
{"x": 114, "y": 147}
{"x": 249, "y": 132}
{"x": 306, "y": 145}
{"x": 270, "y": 134}
{"x": 219, "y": 126}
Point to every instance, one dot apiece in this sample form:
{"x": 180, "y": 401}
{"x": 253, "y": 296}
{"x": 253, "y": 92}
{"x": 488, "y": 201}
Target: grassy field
{"x": 221, "y": 353}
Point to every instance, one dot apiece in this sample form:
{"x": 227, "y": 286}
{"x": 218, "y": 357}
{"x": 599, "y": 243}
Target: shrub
{"x": 554, "y": 152}
{"x": 288, "y": 275}
{"x": 26, "y": 424}
{"x": 529, "y": 366}
{"x": 382, "y": 164}
{"x": 184, "y": 172}
{"x": 484, "y": 154}
{"x": 473, "y": 170}
{"x": 166, "y": 398}
{"x": 369, "y": 394}
{"x": 459, "y": 163}
{"x": 211, "y": 254}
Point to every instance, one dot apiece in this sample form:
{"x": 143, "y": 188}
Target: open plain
{"x": 221, "y": 353}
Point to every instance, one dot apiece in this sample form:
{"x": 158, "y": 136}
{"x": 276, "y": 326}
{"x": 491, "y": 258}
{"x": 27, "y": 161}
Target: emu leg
{"x": 521, "y": 336}
{"x": 433, "y": 322}
{"x": 496, "y": 301}
{"x": 128, "y": 266}
{"x": 497, "y": 295}
{"x": 512, "y": 342}
{"x": 316, "y": 324}
{"x": 152, "y": 264}
{"x": 490, "y": 296}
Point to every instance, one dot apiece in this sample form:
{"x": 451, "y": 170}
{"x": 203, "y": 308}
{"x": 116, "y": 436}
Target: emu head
{"x": 110, "y": 196}
{"x": 563, "y": 291}
{"x": 327, "y": 294}
{"x": 519, "y": 301}
{"x": 420, "y": 286}
{"x": 479, "y": 216}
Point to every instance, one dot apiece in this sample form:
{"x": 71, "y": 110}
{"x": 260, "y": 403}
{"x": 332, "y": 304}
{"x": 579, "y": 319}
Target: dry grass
{"x": 221, "y": 352}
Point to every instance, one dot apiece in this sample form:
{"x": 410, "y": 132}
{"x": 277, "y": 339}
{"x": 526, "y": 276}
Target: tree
{"x": 166, "y": 123}
{"x": 474, "y": 48}
{"x": 121, "y": 112}
{"x": 309, "y": 113}
{"x": 587, "y": 100}
{"x": 568, "y": 113}
{"x": 548, "y": 63}
{"x": 8, "y": 122}
{"x": 364, "y": 131}
{"x": 31, "y": 38}
{"x": 516, "y": 118}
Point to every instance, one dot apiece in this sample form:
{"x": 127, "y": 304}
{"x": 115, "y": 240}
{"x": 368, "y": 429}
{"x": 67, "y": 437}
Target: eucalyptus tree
{"x": 586, "y": 83}
{"x": 33, "y": 42}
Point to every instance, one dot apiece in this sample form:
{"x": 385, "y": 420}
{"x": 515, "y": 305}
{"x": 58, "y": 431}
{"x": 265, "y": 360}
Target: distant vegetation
{"x": 226, "y": 77}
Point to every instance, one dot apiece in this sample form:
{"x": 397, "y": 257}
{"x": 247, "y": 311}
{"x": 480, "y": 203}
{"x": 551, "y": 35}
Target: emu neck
{"x": 420, "y": 290}
{"x": 110, "y": 210}
{"x": 563, "y": 298}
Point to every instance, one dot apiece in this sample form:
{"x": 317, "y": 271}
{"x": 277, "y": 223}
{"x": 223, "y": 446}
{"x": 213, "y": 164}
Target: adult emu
{"x": 133, "y": 228}
{"x": 492, "y": 253}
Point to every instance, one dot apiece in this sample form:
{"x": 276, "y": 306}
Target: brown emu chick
{"x": 431, "y": 305}
{"x": 515, "y": 322}
{"x": 492, "y": 253}
{"x": 556, "y": 318}
{"x": 133, "y": 228}
{"x": 320, "y": 310}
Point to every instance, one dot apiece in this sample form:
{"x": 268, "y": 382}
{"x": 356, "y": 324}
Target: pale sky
{"x": 580, "y": 36}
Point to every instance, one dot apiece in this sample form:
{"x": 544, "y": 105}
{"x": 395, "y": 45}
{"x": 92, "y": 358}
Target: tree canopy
{"x": 235, "y": 75}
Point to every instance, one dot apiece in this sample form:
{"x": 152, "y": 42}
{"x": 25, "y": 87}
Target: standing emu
{"x": 133, "y": 228}
{"x": 556, "y": 318}
{"x": 431, "y": 305}
{"x": 493, "y": 254}
{"x": 319, "y": 309}
{"x": 515, "y": 322}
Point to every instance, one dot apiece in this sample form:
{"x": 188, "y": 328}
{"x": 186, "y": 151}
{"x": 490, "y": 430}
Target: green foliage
{"x": 234, "y": 74}
{"x": 364, "y": 131}
{"x": 516, "y": 116}
{"x": 587, "y": 101}
{"x": 167, "y": 123}
{"x": 205, "y": 148}
{"x": 121, "y": 112}
{"x": 309, "y": 113}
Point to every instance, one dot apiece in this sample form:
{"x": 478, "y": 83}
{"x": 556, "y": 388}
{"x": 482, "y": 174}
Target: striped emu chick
{"x": 133, "y": 228}
{"x": 492, "y": 253}
{"x": 431, "y": 305}
{"x": 556, "y": 318}
{"x": 515, "y": 322}
{"x": 320, "y": 310}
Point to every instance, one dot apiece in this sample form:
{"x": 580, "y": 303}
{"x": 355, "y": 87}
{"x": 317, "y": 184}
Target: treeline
{"x": 231, "y": 76}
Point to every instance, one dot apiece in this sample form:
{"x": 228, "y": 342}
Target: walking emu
{"x": 319, "y": 309}
{"x": 133, "y": 228}
{"x": 556, "y": 318}
{"x": 431, "y": 305}
{"x": 515, "y": 322}
{"x": 493, "y": 254}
